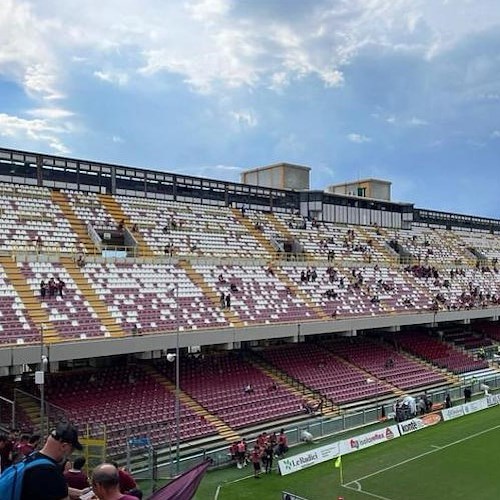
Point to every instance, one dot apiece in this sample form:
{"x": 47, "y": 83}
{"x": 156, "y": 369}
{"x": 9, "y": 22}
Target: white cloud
{"x": 38, "y": 130}
{"x": 495, "y": 134}
{"x": 114, "y": 77}
{"x": 117, "y": 139}
{"x": 358, "y": 138}
{"x": 221, "y": 43}
{"x": 244, "y": 118}
{"x": 50, "y": 113}
{"x": 417, "y": 122}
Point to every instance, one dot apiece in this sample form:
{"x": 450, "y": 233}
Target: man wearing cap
{"x": 46, "y": 481}
{"x": 106, "y": 483}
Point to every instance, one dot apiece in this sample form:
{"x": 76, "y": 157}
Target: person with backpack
{"x": 39, "y": 476}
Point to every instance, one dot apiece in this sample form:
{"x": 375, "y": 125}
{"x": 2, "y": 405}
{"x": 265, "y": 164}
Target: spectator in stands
{"x": 121, "y": 225}
{"x": 75, "y": 477}
{"x": 22, "y": 447}
{"x": 135, "y": 228}
{"x": 221, "y": 278}
{"x": 60, "y": 286}
{"x": 38, "y": 243}
{"x": 126, "y": 482}
{"x": 249, "y": 389}
{"x": 273, "y": 387}
{"x": 228, "y": 301}
{"x": 222, "y": 300}
{"x": 52, "y": 287}
{"x": 32, "y": 444}
{"x": 80, "y": 261}
{"x": 5, "y": 456}
{"x": 233, "y": 288}
{"x": 106, "y": 483}
{"x": 43, "y": 289}
{"x": 47, "y": 481}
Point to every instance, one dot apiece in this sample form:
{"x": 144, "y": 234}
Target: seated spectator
{"x": 43, "y": 289}
{"x": 249, "y": 389}
{"x": 80, "y": 261}
{"x": 233, "y": 288}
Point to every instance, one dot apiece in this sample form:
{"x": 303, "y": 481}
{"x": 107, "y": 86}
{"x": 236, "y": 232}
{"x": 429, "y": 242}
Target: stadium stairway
{"x": 37, "y": 313}
{"x": 77, "y": 225}
{"x": 116, "y": 211}
{"x": 453, "y": 241}
{"x": 30, "y": 406}
{"x": 299, "y": 389}
{"x": 284, "y": 278}
{"x": 281, "y": 228}
{"x": 390, "y": 256}
{"x": 212, "y": 295}
{"x": 97, "y": 304}
{"x": 223, "y": 429}
{"x": 258, "y": 235}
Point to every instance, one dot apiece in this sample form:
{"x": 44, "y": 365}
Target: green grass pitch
{"x": 450, "y": 461}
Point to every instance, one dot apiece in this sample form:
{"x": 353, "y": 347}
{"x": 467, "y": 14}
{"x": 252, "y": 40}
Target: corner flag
{"x": 338, "y": 465}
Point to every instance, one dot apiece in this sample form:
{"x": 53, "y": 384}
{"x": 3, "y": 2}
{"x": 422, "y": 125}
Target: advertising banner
{"x": 308, "y": 458}
{"x": 416, "y": 424}
{"x": 473, "y": 406}
{"x": 362, "y": 441}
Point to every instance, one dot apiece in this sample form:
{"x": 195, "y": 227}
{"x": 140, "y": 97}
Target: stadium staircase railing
{"x": 37, "y": 313}
{"x": 97, "y": 304}
{"x": 78, "y": 227}
{"x": 223, "y": 429}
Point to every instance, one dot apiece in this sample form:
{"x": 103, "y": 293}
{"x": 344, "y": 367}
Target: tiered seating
{"x": 428, "y": 244}
{"x": 439, "y": 353}
{"x": 15, "y": 323}
{"x": 345, "y": 241}
{"x": 467, "y": 340}
{"x": 144, "y": 296}
{"x": 396, "y": 290}
{"x": 315, "y": 367}
{"x": 385, "y": 363}
{"x": 487, "y": 244}
{"x": 458, "y": 289}
{"x": 27, "y": 214}
{"x": 217, "y": 382}
{"x": 89, "y": 209}
{"x": 126, "y": 400}
{"x": 489, "y": 328}
{"x": 350, "y": 301}
{"x": 260, "y": 297}
{"x": 191, "y": 229}
{"x": 71, "y": 314}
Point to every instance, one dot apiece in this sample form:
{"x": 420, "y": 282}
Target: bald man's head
{"x": 105, "y": 475}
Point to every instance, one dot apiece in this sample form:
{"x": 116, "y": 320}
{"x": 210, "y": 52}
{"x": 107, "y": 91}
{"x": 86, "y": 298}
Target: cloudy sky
{"x": 404, "y": 90}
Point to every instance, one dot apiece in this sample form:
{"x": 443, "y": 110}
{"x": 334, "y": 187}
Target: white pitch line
{"x": 359, "y": 490}
{"x": 425, "y": 454}
{"x": 216, "y": 496}
{"x": 435, "y": 446}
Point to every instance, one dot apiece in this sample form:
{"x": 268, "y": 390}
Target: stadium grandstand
{"x": 168, "y": 311}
